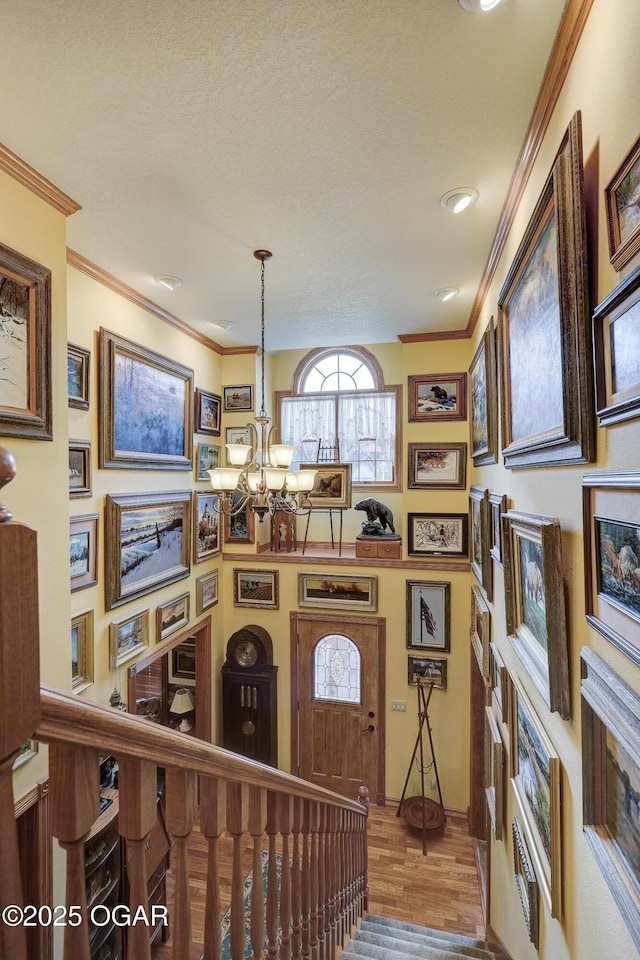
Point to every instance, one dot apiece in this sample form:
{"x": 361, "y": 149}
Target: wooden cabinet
{"x": 250, "y": 696}
{"x": 102, "y": 861}
{"x": 379, "y": 548}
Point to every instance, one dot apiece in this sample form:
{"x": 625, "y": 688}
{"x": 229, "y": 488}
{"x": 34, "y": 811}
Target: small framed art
{"x": 206, "y": 591}
{"x": 480, "y": 538}
{"x": 172, "y": 615}
{"x": 480, "y": 630}
{"x": 78, "y": 376}
{"x": 497, "y": 506}
{"x": 525, "y": 881}
{"x": 83, "y": 551}
{"x": 616, "y": 332}
{"x": 238, "y": 435}
{"x": 438, "y": 535}
{"x": 338, "y": 591}
{"x": 331, "y": 487}
{"x": 207, "y": 458}
{"x": 238, "y": 398}
{"x": 240, "y": 521}
{"x": 431, "y": 670}
{"x": 499, "y": 680}
{"x": 494, "y": 772}
{"x": 255, "y": 588}
{"x": 438, "y": 396}
{"x": 206, "y": 526}
{"x": 623, "y": 218}
{"x": 483, "y": 393}
{"x": 28, "y": 750}
{"x": 207, "y": 412}
{"x": 428, "y": 615}
{"x": 81, "y": 651}
{"x": 79, "y": 468}
{"x": 182, "y": 665}
{"x": 437, "y": 466}
{"x": 128, "y": 637}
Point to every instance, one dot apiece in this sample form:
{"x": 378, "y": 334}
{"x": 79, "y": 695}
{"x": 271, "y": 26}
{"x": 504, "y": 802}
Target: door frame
{"x": 381, "y": 625}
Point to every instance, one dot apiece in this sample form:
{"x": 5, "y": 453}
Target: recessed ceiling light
{"x": 459, "y": 199}
{"x": 171, "y": 283}
{"x": 446, "y": 293}
{"x": 222, "y": 324}
{"x": 478, "y": 6}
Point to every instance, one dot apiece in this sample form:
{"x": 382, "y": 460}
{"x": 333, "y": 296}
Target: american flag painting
{"x": 428, "y": 614}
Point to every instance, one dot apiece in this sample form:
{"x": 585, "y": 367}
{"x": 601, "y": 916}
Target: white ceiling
{"x": 325, "y": 130}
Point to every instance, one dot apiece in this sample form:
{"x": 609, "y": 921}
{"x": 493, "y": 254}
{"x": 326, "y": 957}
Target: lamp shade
{"x": 224, "y": 479}
{"x": 281, "y": 454}
{"x": 237, "y": 453}
{"x": 254, "y": 479}
{"x": 182, "y": 702}
{"x": 305, "y": 479}
{"x": 275, "y": 478}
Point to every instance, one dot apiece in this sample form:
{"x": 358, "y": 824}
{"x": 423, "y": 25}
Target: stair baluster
{"x": 284, "y": 826}
{"x": 305, "y": 883}
{"x": 212, "y": 823}
{"x": 138, "y": 812}
{"x": 180, "y": 819}
{"x": 323, "y": 871}
{"x": 296, "y": 879}
{"x": 235, "y": 826}
{"x": 314, "y": 948}
{"x": 272, "y": 876}
{"x": 256, "y": 825}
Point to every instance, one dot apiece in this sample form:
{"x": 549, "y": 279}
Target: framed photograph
{"x": 535, "y": 776}
{"x": 255, "y": 588}
{"x": 78, "y": 376}
{"x": 238, "y": 435}
{"x": 494, "y": 772}
{"x": 207, "y": 458}
{"x": 25, "y": 307}
{"x": 525, "y": 881}
{"x": 480, "y": 630}
{"x": 543, "y": 330}
{"x": 172, "y": 615}
{"x": 79, "y": 468}
{"x": 483, "y": 394}
{"x": 206, "y": 591}
{"x": 437, "y": 465}
{"x": 534, "y": 600}
{"x": 611, "y": 782}
{"x": 438, "y": 535}
{"x": 479, "y": 517}
{"x": 81, "y": 651}
{"x": 428, "y": 670}
{"x": 238, "y": 398}
{"x": 338, "y": 591}
{"x": 207, "y": 412}
{"x": 611, "y": 531}
{"x": 182, "y": 665}
{"x": 239, "y": 524}
{"x": 499, "y": 681}
{"x": 616, "y": 333}
{"x": 623, "y": 216}
{"x": 145, "y": 411}
{"x": 497, "y": 506}
{"x": 206, "y": 526}
{"x": 440, "y": 396}
{"x": 128, "y": 638}
{"x": 28, "y": 750}
{"x": 147, "y": 543}
{"x": 331, "y": 487}
{"x": 83, "y": 551}
{"x": 428, "y": 615}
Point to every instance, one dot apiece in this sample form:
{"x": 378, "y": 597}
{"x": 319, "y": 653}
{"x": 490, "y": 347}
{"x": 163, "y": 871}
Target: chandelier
{"x": 265, "y": 484}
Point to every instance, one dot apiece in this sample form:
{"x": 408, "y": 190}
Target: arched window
{"x": 339, "y": 399}
{"x": 337, "y": 669}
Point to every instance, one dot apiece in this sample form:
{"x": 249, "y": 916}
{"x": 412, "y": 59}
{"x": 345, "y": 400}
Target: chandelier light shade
{"x": 265, "y": 484}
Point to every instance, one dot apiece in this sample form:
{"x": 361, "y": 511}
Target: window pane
{"x": 367, "y": 428}
{"x": 336, "y": 669}
{"x": 313, "y": 381}
{"x": 304, "y": 421}
{"x": 348, "y": 363}
{"x": 363, "y": 378}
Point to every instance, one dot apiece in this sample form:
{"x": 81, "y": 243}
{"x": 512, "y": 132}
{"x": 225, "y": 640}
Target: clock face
{"x": 245, "y": 653}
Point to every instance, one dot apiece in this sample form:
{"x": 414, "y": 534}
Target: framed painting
{"x": 81, "y": 651}
{"x": 78, "y": 376}
{"x": 535, "y": 777}
{"x": 494, "y": 772}
{"x": 437, "y": 466}
{"x": 25, "y": 387}
{"x": 431, "y": 670}
{"x": 480, "y": 630}
{"x": 79, "y": 468}
{"x": 207, "y": 458}
{"x": 207, "y": 412}
{"x": 28, "y": 750}
{"x": 128, "y": 638}
{"x": 206, "y": 591}
{"x": 255, "y": 588}
{"x": 438, "y": 396}
{"x": 147, "y": 543}
{"x": 616, "y": 334}
{"x": 438, "y": 535}
{"x": 497, "y": 506}
{"x": 338, "y": 591}
{"x": 238, "y": 435}
{"x": 483, "y": 396}
{"x": 182, "y": 665}
{"x": 331, "y": 487}
{"x": 623, "y": 215}
{"x": 206, "y": 526}
{"x": 145, "y": 411}
{"x": 428, "y": 615}
{"x": 479, "y": 518}
{"x": 611, "y": 782}
{"x": 171, "y": 616}
{"x": 238, "y": 399}
{"x": 534, "y": 600}
{"x": 544, "y": 325}
{"x": 611, "y": 531}
{"x": 499, "y": 681}
{"x": 239, "y": 524}
{"x": 83, "y": 551}
{"x": 525, "y": 881}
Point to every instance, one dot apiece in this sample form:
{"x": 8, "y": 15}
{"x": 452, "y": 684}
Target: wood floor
{"x": 438, "y": 890}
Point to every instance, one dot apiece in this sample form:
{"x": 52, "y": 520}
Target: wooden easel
{"x": 418, "y": 750}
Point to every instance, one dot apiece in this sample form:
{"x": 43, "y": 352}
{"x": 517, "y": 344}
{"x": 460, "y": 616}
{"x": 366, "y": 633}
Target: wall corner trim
{"x": 34, "y": 181}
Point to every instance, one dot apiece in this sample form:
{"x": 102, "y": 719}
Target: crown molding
{"x": 435, "y": 335}
{"x": 35, "y": 182}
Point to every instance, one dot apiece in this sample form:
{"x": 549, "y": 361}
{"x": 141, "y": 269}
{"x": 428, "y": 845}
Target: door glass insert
{"x": 336, "y": 669}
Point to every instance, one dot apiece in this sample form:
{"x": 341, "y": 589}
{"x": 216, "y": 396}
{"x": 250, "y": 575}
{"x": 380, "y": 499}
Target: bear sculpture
{"x": 379, "y": 516}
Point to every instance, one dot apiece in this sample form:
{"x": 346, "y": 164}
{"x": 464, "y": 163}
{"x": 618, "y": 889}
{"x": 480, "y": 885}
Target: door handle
{"x": 369, "y": 729}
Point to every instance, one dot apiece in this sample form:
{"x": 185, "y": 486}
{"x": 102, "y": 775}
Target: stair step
{"x": 357, "y": 950}
{"x": 456, "y": 938}
{"x": 412, "y": 943}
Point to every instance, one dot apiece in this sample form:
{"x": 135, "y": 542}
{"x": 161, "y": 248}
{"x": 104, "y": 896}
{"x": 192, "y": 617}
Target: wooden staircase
{"x": 380, "y": 938}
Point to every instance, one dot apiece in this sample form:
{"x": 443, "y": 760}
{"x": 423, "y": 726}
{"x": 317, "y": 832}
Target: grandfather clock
{"x": 250, "y": 696}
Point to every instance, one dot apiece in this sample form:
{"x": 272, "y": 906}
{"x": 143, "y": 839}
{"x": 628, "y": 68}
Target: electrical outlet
{"x": 433, "y": 783}
{"x": 399, "y": 705}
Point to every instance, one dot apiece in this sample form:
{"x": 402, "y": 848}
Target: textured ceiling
{"x": 326, "y": 131}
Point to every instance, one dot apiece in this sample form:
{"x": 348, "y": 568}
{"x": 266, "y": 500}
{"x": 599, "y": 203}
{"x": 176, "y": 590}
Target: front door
{"x": 340, "y": 703}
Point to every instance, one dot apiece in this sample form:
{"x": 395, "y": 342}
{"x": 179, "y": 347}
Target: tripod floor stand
{"x": 418, "y": 755}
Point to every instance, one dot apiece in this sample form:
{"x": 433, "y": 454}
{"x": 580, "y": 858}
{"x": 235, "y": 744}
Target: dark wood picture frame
{"x": 430, "y": 397}
{"x": 239, "y": 525}
{"x": 498, "y": 505}
{"x": 494, "y": 764}
{"x": 260, "y": 588}
{"x": 480, "y": 629}
{"x": 79, "y": 469}
{"x": 208, "y": 412}
{"x": 439, "y": 535}
{"x": 479, "y": 536}
{"x": 238, "y": 399}
{"x": 430, "y": 617}
{"x": 427, "y": 670}
{"x": 440, "y": 466}
{"x": 81, "y": 651}
{"x": 525, "y": 881}
{"x": 544, "y": 324}
{"x": 616, "y": 335}
{"x": 499, "y": 682}
{"x": 338, "y": 591}
{"x": 624, "y": 240}
{"x": 483, "y": 399}
{"x": 83, "y": 551}
{"x": 78, "y": 376}
{"x": 145, "y": 410}
{"x": 25, "y": 392}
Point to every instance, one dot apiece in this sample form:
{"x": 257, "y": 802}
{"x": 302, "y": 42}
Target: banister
{"x": 66, "y": 719}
